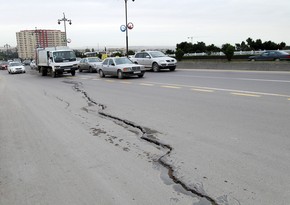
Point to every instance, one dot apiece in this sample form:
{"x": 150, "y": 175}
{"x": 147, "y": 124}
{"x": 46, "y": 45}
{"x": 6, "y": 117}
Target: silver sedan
{"x": 120, "y": 67}
{"x": 90, "y": 64}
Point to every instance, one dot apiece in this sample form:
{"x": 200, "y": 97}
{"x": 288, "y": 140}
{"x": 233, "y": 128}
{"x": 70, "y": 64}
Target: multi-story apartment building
{"x": 29, "y": 40}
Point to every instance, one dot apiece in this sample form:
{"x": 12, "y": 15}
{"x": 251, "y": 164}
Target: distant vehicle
{"x": 4, "y": 65}
{"x": 15, "y": 67}
{"x": 154, "y": 60}
{"x": 120, "y": 67}
{"x": 90, "y": 64}
{"x": 56, "y": 61}
{"x": 33, "y": 65}
{"x": 270, "y": 56}
{"x": 26, "y": 62}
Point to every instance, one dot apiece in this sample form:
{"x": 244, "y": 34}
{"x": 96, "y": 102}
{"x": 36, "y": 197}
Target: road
{"x": 184, "y": 137}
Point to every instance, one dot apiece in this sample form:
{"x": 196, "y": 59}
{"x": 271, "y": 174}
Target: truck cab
{"x": 56, "y": 61}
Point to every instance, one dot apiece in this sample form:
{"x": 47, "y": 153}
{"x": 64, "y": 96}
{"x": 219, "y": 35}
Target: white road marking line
{"x": 246, "y": 95}
{"x": 169, "y": 86}
{"x": 202, "y": 90}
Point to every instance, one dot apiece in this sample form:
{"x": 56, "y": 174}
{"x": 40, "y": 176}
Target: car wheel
{"x": 90, "y": 70}
{"x": 120, "y": 74}
{"x": 155, "y": 67}
{"x": 101, "y": 73}
{"x": 73, "y": 73}
{"x": 80, "y": 70}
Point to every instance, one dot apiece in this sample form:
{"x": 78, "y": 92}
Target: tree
{"x": 184, "y": 46}
{"x": 228, "y": 50}
{"x": 130, "y": 52}
{"x": 179, "y": 54}
{"x": 212, "y": 48}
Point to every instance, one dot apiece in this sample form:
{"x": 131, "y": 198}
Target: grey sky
{"x": 156, "y": 22}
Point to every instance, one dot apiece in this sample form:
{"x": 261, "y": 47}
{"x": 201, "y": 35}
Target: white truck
{"x": 56, "y": 61}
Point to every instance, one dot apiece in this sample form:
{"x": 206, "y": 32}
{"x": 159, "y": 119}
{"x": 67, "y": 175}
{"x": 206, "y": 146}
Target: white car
{"x": 120, "y": 67}
{"x": 33, "y": 65}
{"x": 155, "y": 60}
{"x": 15, "y": 67}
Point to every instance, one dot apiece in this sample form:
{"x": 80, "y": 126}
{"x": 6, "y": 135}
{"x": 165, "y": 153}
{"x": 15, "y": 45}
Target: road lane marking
{"x": 222, "y": 89}
{"x": 126, "y": 82}
{"x": 146, "y": 84}
{"x": 95, "y": 79}
{"x": 170, "y": 86}
{"x": 202, "y": 90}
{"x": 246, "y": 95}
{"x": 110, "y": 81}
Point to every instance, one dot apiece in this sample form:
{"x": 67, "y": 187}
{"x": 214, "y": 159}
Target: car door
{"x": 147, "y": 60}
{"x": 81, "y": 64}
{"x": 112, "y": 67}
{"x": 264, "y": 56}
{"x": 105, "y": 66}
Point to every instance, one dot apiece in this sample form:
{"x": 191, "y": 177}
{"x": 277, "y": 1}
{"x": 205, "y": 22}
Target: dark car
{"x": 271, "y": 56}
{"x": 4, "y": 65}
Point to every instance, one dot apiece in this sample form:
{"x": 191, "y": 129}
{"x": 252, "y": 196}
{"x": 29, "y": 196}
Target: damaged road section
{"x": 148, "y": 137}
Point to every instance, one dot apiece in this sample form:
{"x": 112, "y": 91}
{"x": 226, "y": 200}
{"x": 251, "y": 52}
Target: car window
{"x": 139, "y": 55}
{"x": 94, "y": 60}
{"x": 111, "y": 62}
{"x": 146, "y": 55}
{"x": 105, "y": 62}
{"x": 265, "y": 54}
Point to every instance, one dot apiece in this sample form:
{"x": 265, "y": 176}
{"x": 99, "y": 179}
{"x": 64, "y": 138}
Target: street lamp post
{"x": 126, "y": 27}
{"x": 64, "y": 19}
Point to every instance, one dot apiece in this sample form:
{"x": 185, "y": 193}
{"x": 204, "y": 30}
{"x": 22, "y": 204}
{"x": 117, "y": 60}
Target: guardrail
{"x": 235, "y": 53}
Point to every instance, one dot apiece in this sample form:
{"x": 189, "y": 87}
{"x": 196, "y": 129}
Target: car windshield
{"x": 92, "y": 60}
{"x": 157, "y": 54}
{"x": 61, "y": 56}
{"x": 15, "y": 64}
{"x": 120, "y": 61}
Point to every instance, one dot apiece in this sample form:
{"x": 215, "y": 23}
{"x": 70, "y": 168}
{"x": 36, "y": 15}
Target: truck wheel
{"x": 43, "y": 72}
{"x": 155, "y": 67}
{"x": 53, "y": 73}
{"x": 73, "y": 73}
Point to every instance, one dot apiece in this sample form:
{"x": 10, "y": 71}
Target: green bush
{"x": 179, "y": 54}
{"x": 228, "y": 50}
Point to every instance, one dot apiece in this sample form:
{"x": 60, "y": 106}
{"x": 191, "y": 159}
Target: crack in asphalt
{"x": 147, "y": 136}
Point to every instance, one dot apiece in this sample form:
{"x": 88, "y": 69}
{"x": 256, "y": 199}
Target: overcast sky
{"x": 156, "y": 22}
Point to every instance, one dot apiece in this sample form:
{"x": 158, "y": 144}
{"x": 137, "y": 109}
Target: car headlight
{"x": 127, "y": 69}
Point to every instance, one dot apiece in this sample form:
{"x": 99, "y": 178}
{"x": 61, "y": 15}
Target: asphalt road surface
{"x": 185, "y": 137}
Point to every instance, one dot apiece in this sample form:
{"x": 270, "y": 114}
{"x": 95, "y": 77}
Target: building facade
{"x": 29, "y": 40}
